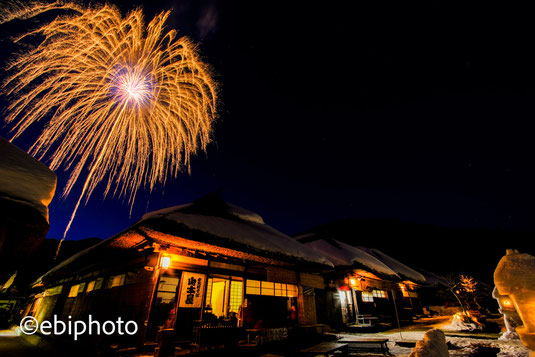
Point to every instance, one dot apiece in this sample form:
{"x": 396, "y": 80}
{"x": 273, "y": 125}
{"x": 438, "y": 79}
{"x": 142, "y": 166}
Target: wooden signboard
{"x": 192, "y": 290}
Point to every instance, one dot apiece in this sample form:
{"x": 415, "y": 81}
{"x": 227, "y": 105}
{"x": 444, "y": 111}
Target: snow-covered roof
{"x": 400, "y": 268}
{"x": 24, "y": 179}
{"x": 229, "y": 225}
{"x": 345, "y": 255}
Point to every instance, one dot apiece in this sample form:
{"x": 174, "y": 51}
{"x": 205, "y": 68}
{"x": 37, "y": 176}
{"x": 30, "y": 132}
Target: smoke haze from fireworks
{"x": 125, "y": 101}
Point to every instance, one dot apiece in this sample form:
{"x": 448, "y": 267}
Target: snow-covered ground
{"x": 458, "y": 346}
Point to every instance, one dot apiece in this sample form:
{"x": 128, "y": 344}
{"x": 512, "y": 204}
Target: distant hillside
{"x": 438, "y": 249}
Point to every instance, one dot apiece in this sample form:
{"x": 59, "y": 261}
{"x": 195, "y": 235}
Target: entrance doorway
{"x": 224, "y": 298}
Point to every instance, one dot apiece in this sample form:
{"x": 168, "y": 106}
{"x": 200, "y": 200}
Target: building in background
{"x": 26, "y": 188}
{"x": 367, "y": 287}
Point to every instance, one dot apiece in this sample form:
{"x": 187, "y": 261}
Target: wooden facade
{"x": 167, "y": 276}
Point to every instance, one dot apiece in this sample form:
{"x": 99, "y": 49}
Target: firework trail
{"x": 125, "y": 102}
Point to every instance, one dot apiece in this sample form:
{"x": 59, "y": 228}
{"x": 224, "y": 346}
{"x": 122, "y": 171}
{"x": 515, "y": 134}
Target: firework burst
{"x": 125, "y": 102}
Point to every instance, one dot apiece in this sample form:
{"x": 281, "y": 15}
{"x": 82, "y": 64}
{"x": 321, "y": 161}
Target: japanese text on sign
{"x": 192, "y": 290}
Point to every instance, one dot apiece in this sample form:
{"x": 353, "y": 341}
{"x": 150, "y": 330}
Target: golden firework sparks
{"x": 125, "y": 102}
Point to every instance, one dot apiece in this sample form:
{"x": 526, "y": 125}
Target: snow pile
{"x": 512, "y": 350}
{"x": 509, "y": 335}
{"x": 341, "y": 254}
{"x": 432, "y": 345}
{"x": 24, "y": 179}
{"x": 458, "y": 323}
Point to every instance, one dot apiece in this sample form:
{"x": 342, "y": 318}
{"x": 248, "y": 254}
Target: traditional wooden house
{"x": 367, "y": 287}
{"x": 26, "y": 188}
{"x": 200, "y": 266}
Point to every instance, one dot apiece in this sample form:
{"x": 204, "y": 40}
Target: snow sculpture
{"x": 515, "y": 277}
{"x": 510, "y": 316}
{"x": 432, "y": 345}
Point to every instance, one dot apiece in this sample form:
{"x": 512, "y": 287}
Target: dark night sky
{"x": 418, "y": 111}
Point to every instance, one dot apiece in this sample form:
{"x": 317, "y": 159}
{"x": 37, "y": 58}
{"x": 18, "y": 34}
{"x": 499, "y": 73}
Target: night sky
{"x": 418, "y": 111}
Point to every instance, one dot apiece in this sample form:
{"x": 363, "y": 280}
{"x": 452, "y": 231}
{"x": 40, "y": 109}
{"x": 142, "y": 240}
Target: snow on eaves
{"x": 24, "y": 179}
{"x": 342, "y": 254}
{"x": 245, "y": 229}
{"x": 400, "y": 268}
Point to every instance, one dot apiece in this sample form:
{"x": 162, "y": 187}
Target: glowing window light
{"x": 165, "y": 262}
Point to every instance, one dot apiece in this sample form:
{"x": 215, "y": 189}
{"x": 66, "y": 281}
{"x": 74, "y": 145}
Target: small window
{"x": 380, "y": 294}
{"x": 292, "y": 290}
{"x": 74, "y": 290}
{"x": 116, "y": 280}
{"x": 268, "y": 288}
{"x": 280, "y": 289}
{"x": 91, "y": 286}
{"x": 253, "y": 287}
{"x": 367, "y": 296}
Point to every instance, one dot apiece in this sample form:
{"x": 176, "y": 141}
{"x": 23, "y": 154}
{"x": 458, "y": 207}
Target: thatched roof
{"x": 214, "y": 221}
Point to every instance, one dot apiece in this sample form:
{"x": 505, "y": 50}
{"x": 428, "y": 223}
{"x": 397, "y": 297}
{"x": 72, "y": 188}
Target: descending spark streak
{"x": 125, "y": 101}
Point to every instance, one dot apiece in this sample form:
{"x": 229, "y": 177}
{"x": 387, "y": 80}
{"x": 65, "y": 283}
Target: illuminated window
{"x": 280, "y": 289}
{"x": 367, "y": 296}
{"x": 380, "y": 294}
{"x": 225, "y": 295}
{"x": 255, "y": 287}
{"x": 94, "y": 285}
{"x": 236, "y": 292}
{"x": 165, "y": 262}
{"x": 74, "y": 290}
{"x": 114, "y": 281}
{"x": 209, "y": 291}
{"x": 90, "y": 286}
{"x": 292, "y": 290}
{"x": 252, "y": 287}
{"x": 268, "y": 288}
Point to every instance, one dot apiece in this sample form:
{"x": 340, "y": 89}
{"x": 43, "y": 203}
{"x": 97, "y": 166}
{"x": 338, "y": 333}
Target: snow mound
{"x": 24, "y": 179}
{"x": 432, "y": 345}
{"x": 458, "y": 324}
